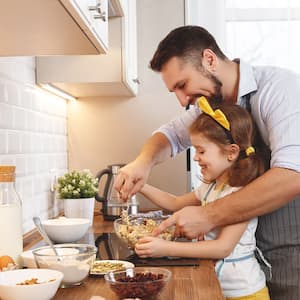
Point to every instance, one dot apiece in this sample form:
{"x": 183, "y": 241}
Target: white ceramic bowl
{"x": 66, "y": 230}
{"x": 75, "y": 262}
{"x": 49, "y": 283}
{"x": 28, "y": 259}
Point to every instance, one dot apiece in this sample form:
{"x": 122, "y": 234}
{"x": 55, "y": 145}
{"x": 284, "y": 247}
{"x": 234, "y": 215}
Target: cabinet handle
{"x": 101, "y": 16}
{"x": 92, "y": 8}
{"x": 136, "y": 80}
{"x": 96, "y": 7}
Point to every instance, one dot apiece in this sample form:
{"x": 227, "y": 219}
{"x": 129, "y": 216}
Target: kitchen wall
{"x": 110, "y": 130}
{"x": 33, "y": 136}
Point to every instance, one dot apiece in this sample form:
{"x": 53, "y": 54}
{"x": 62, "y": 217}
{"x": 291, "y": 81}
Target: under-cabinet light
{"x": 56, "y": 91}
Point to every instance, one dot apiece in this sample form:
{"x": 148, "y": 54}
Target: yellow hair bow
{"x": 250, "y": 150}
{"x": 217, "y": 115}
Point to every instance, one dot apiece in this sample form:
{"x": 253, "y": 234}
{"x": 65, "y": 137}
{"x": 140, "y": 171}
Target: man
{"x": 191, "y": 65}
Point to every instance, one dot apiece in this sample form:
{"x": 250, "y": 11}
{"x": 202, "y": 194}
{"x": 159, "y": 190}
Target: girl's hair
{"x": 186, "y": 43}
{"x": 245, "y": 134}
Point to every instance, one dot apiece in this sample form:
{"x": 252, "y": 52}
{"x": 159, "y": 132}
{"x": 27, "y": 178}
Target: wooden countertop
{"x": 187, "y": 283}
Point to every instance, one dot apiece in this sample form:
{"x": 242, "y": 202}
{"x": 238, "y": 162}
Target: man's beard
{"x": 216, "y": 98}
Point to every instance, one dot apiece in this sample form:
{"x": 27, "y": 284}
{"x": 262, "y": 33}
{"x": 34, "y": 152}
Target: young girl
{"x": 230, "y": 154}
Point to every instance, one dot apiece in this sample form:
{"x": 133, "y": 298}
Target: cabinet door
{"x": 130, "y": 45}
{"x": 92, "y": 16}
{"x": 113, "y": 74}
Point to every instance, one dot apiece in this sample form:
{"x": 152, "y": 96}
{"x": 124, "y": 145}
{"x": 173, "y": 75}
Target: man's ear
{"x": 209, "y": 60}
{"x": 233, "y": 152}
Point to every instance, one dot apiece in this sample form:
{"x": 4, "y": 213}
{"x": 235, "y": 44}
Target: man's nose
{"x": 182, "y": 97}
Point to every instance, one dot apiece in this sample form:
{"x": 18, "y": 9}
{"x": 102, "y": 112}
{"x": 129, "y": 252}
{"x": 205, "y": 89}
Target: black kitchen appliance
{"x": 111, "y": 247}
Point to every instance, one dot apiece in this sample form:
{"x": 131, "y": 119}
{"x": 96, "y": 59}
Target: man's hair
{"x": 186, "y": 43}
{"x": 245, "y": 134}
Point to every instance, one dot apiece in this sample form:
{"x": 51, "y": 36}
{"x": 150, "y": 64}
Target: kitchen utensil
{"x": 112, "y": 204}
{"x": 39, "y": 226}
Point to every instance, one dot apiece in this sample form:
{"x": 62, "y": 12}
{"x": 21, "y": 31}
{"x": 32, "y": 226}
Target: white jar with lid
{"x": 11, "y": 235}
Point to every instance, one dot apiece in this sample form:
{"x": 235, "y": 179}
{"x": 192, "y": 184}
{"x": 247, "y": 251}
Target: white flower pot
{"x": 80, "y": 208}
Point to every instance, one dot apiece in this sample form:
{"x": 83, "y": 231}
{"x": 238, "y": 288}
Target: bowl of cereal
{"x": 140, "y": 282}
{"x": 73, "y": 260}
{"x": 132, "y": 228}
{"x": 29, "y": 284}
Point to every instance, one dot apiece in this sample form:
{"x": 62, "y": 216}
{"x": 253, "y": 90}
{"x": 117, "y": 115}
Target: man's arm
{"x": 169, "y": 140}
{"x": 134, "y": 175}
{"x": 267, "y": 193}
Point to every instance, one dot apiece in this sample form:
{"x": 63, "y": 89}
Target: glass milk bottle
{"x": 11, "y": 237}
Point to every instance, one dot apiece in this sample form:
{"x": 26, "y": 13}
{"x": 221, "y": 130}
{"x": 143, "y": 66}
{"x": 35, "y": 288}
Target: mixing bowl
{"x": 74, "y": 261}
{"x": 66, "y": 230}
{"x": 139, "y": 282}
{"x": 134, "y": 228}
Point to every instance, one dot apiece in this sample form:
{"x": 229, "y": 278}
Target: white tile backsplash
{"x": 33, "y": 136}
{"x": 2, "y": 92}
{"x": 3, "y": 142}
{"x": 13, "y": 142}
{"x": 6, "y": 116}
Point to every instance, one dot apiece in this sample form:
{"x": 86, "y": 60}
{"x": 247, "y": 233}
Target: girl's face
{"x": 212, "y": 159}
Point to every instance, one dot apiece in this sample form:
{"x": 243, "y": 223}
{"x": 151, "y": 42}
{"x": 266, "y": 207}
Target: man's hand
{"x": 131, "y": 178}
{"x": 190, "y": 221}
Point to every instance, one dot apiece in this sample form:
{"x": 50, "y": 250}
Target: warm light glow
{"x": 57, "y": 92}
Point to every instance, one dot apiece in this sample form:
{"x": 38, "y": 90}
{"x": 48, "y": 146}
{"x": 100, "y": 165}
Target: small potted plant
{"x": 78, "y": 190}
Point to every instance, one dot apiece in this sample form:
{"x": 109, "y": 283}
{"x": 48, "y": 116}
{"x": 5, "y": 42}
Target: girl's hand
{"x": 151, "y": 247}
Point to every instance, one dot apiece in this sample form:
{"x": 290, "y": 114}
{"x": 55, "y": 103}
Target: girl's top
{"x": 239, "y": 273}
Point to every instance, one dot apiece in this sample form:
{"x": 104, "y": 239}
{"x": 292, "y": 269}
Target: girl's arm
{"x": 168, "y": 201}
{"x": 214, "y": 249}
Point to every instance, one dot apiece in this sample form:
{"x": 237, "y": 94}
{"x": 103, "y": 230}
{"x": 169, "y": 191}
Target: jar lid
{"x": 7, "y": 173}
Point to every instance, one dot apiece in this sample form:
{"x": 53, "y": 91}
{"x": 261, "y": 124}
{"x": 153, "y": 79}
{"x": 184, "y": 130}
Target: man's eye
{"x": 181, "y": 85}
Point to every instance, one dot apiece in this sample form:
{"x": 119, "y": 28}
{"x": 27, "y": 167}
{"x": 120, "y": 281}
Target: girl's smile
{"x": 212, "y": 158}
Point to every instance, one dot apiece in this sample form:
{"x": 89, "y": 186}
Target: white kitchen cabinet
{"x": 92, "y": 17}
{"x": 113, "y": 74}
{"x": 54, "y": 27}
